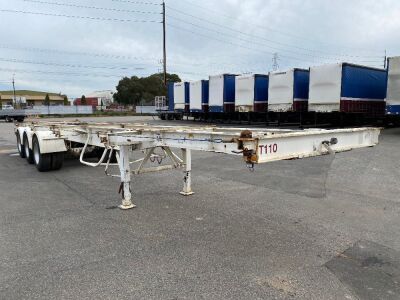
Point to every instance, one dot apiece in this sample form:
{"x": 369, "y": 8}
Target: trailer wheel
{"x": 42, "y": 161}
{"x": 57, "y": 160}
{"x": 28, "y": 152}
{"x": 20, "y": 147}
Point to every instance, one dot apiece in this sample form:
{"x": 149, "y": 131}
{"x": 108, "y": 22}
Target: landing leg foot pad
{"x": 125, "y": 207}
{"x": 186, "y": 193}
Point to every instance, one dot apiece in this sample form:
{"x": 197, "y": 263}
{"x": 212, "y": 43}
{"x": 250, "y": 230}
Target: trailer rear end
{"x": 222, "y": 93}
{"x": 347, "y": 88}
{"x": 393, "y": 86}
{"x": 199, "y": 96}
{"x": 288, "y": 91}
{"x": 251, "y": 93}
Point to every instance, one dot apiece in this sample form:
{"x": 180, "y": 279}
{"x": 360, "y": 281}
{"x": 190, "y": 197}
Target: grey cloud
{"x": 305, "y": 33}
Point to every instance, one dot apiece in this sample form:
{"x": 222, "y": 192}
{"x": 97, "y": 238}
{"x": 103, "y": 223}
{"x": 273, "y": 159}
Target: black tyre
{"x": 57, "y": 160}
{"x": 42, "y": 161}
{"x": 9, "y": 119}
{"x": 20, "y": 147}
{"x": 28, "y": 152}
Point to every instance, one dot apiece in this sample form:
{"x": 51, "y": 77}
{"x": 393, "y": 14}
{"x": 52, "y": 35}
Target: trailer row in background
{"x": 343, "y": 88}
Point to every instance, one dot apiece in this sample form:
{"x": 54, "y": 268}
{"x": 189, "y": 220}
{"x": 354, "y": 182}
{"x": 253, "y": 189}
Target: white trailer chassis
{"x": 45, "y": 140}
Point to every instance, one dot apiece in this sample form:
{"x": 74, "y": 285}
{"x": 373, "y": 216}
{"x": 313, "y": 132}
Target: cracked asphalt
{"x": 272, "y": 234}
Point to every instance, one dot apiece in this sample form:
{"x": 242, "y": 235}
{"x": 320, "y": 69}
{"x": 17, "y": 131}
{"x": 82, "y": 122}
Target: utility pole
{"x": 275, "y": 65}
{"x": 164, "y": 45}
{"x": 384, "y": 63}
{"x": 14, "y": 98}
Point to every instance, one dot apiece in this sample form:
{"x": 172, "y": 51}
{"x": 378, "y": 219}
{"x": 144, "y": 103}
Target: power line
{"x": 14, "y": 60}
{"x": 225, "y": 41}
{"x": 224, "y": 34}
{"x": 268, "y": 40}
{"x": 136, "y": 2}
{"x": 90, "y": 7}
{"x": 270, "y": 28}
{"x": 91, "y": 54}
{"x": 239, "y": 45}
{"x": 77, "y": 17}
{"x": 61, "y": 73}
{"x": 240, "y": 39}
{"x": 210, "y": 37}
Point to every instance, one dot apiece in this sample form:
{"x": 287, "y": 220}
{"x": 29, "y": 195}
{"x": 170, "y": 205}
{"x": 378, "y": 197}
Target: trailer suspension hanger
{"x": 127, "y": 140}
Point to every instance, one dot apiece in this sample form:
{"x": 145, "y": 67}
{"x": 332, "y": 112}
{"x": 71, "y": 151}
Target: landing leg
{"x": 125, "y": 170}
{"x": 187, "y": 178}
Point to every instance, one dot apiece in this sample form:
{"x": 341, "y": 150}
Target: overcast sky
{"x": 77, "y": 55}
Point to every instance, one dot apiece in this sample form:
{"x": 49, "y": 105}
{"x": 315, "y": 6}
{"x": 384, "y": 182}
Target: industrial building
{"x": 97, "y": 99}
{"x": 106, "y": 97}
{"x": 30, "y": 98}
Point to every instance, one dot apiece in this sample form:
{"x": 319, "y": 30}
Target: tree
{"x": 66, "y": 102}
{"x": 83, "y": 100}
{"x": 137, "y": 90}
{"x": 47, "y": 100}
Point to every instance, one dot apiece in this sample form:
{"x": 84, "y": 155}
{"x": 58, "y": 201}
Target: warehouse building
{"x": 92, "y": 101}
{"x": 30, "y": 98}
{"x": 98, "y": 99}
{"x": 106, "y": 97}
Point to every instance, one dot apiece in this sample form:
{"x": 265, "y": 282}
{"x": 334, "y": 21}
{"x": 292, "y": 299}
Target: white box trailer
{"x": 44, "y": 144}
{"x": 251, "y": 93}
{"x": 348, "y": 88}
{"x": 181, "y": 95}
{"x": 288, "y": 91}
{"x": 199, "y": 96}
{"x": 393, "y": 87}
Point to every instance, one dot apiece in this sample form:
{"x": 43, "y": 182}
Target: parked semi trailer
{"x": 340, "y": 94}
{"x": 181, "y": 96}
{"x": 135, "y": 146}
{"x": 10, "y": 115}
{"x": 288, "y": 91}
{"x": 251, "y": 93}
{"x": 347, "y": 88}
{"x": 222, "y": 93}
{"x": 199, "y": 96}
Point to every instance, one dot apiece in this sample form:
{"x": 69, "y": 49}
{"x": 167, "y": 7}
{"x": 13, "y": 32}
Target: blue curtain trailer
{"x": 251, "y": 93}
{"x": 347, "y": 88}
{"x": 222, "y": 93}
{"x": 181, "y": 96}
{"x": 199, "y": 92}
{"x": 288, "y": 91}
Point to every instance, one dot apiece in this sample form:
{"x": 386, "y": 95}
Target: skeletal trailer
{"x": 45, "y": 143}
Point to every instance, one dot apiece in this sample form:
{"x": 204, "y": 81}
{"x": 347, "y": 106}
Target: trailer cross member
{"x": 44, "y": 144}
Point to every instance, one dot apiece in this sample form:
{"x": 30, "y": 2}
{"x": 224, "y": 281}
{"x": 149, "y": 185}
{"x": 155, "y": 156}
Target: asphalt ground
{"x": 316, "y": 228}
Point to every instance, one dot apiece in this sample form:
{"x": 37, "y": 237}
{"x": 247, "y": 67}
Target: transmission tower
{"x": 275, "y": 59}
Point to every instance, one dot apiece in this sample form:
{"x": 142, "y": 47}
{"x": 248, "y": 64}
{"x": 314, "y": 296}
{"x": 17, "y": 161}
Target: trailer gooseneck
{"x": 136, "y": 146}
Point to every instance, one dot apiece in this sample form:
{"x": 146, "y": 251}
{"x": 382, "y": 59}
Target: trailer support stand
{"x": 187, "y": 178}
{"x": 125, "y": 170}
